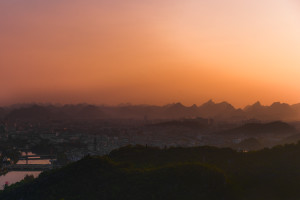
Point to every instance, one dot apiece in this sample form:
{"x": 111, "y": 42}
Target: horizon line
{"x": 138, "y": 104}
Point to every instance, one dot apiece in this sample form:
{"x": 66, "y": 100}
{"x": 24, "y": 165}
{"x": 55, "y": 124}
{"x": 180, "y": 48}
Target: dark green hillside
{"x": 138, "y": 172}
{"x": 142, "y": 156}
{"x": 266, "y": 174}
{"x": 100, "y": 178}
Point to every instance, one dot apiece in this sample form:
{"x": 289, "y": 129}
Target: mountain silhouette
{"x": 210, "y": 110}
{"x": 262, "y": 129}
{"x": 277, "y": 111}
{"x": 221, "y": 111}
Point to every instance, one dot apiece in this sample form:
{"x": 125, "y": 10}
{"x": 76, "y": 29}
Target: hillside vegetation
{"x": 138, "y": 172}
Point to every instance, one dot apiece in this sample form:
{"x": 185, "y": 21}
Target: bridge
{"x": 37, "y": 157}
{"x": 32, "y": 167}
{"x": 29, "y": 167}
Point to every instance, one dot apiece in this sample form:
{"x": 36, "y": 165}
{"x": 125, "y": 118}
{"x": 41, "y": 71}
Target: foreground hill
{"x": 99, "y": 178}
{"x": 177, "y": 173}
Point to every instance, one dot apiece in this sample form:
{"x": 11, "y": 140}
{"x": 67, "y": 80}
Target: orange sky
{"x": 149, "y": 51}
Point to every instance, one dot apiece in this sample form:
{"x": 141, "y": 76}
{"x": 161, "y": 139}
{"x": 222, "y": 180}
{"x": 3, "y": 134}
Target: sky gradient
{"x": 150, "y": 51}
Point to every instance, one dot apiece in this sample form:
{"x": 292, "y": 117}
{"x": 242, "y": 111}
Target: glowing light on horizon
{"x": 150, "y": 51}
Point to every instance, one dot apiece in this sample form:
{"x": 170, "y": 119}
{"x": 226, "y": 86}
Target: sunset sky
{"x": 149, "y": 51}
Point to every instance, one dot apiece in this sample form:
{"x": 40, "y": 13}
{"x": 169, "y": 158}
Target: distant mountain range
{"x": 217, "y": 111}
{"x": 271, "y": 129}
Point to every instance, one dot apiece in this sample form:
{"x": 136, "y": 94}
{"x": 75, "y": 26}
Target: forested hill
{"x": 95, "y": 178}
{"x": 138, "y": 172}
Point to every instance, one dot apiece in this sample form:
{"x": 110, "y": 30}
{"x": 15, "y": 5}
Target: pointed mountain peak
{"x": 226, "y": 104}
{"x": 257, "y": 104}
{"x": 178, "y": 104}
{"x": 277, "y": 104}
{"x": 194, "y": 106}
{"x": 174, "y": 105}
{"x": 280, "y": 105}
{"x": 210, "y": 102}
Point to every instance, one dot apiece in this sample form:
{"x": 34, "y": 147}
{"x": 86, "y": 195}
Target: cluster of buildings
{"x": 72, "y": 140}
{"x": 75, "y": 139}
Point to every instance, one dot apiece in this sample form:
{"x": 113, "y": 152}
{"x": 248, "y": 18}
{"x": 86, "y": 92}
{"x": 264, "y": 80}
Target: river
{"x": 16, "y": 176}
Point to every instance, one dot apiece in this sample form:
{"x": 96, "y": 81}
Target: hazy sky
{"x": 149, "y": 51}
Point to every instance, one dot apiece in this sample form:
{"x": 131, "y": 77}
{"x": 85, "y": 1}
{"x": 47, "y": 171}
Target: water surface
{"x": 15, "y": 176}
